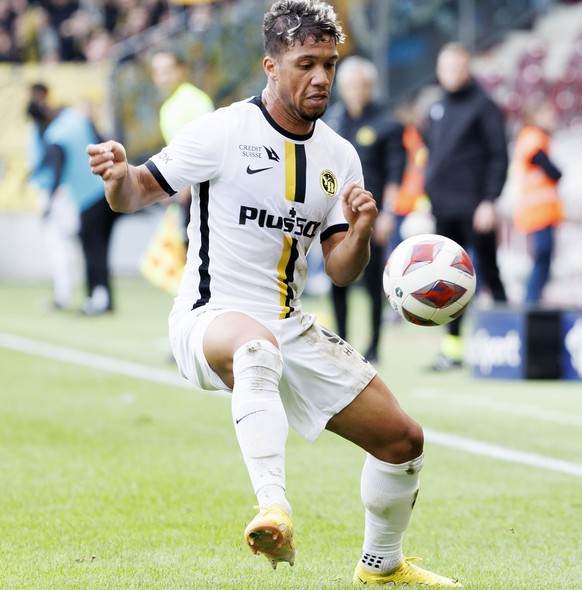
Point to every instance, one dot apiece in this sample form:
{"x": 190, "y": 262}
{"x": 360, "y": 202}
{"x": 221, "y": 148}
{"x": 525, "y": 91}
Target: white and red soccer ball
{"x": 429, "y": 280}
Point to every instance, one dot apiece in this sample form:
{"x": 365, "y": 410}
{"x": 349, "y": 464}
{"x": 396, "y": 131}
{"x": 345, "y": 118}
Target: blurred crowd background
{"x": 95, "y": 54}
{"x": 525, "y": 47}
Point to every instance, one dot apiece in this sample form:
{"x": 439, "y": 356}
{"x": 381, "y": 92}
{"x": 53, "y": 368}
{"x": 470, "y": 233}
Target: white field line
{"x": 98, "y": 362}
{"x": 137, "y": 371}
{"x": 504, "y": 407}
{"x": 453, "y": 441}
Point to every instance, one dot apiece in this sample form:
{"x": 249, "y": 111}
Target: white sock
{"x": 273, "y": 494}
{"x": 388, "y": 493}
{"x": 259, "y": 419}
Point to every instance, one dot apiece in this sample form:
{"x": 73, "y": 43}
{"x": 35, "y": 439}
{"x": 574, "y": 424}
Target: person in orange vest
{"x": 538, "y": 209}
{"x": 411, "y": 190}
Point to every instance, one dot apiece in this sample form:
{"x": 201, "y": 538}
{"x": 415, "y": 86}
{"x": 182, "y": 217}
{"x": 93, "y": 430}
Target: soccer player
{"x": 268, "y": 178}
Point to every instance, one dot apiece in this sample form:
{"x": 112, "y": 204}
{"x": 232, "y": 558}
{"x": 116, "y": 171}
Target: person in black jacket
{"x": 466, "y": 171}
{"x": 378, "y": 138}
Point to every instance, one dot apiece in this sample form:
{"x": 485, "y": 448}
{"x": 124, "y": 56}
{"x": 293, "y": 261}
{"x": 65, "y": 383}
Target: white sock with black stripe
{"x": 388, "y": 492}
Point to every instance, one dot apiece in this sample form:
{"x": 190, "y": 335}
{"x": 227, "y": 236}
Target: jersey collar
{"x": 256, "y": 100}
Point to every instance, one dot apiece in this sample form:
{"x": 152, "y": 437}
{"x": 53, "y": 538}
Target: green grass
{"x": 109, "y": 482}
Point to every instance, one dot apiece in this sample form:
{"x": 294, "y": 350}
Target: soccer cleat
{"x": 270, "y": 533}
{"x": 404, "y": 575}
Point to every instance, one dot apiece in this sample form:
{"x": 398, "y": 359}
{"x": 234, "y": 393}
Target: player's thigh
{"x": 225, "y": 335}
{"x": 203, "y": 343}
{"x": 375, "y": 421}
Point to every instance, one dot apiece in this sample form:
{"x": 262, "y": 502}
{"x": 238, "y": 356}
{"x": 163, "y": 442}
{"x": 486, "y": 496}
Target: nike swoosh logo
{"x": 251, "y": 171}
{"x": 249, "y": 414}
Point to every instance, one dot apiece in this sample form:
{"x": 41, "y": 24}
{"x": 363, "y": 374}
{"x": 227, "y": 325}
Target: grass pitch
{"x": 109, "y": 481}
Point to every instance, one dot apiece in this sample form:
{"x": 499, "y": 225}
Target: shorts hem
{"x": 325, "y": 416}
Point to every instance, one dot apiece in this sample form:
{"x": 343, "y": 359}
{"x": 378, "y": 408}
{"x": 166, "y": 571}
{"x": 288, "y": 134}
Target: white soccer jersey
{"x": 260, "y": 196}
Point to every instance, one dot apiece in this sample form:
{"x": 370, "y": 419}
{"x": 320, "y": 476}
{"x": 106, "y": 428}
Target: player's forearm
{"x": 127, "y": 188}
{"x": 348, "y": 259}
{"x": 132, "y": 192}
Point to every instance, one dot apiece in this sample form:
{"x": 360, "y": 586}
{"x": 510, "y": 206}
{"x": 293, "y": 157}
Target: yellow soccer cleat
{"x": 270, "y": 533}
{"x": 404, "y": 575}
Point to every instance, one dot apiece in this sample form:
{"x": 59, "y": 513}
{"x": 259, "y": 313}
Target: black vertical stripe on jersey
{"x": 300, "y": 173}
{"x": 203, "y": 253}
{"x": 294, "y": 254}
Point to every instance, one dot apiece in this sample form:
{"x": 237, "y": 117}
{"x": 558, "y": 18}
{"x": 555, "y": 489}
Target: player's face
{"x": 302, "y": 79}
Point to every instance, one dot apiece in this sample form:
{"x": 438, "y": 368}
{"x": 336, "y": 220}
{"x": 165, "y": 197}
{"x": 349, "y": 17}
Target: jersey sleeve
{"x": 335, "y": 221}
{"x": 195, "y": 154}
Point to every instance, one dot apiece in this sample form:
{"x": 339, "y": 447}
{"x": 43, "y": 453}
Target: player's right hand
{"x": 108, "y": 160}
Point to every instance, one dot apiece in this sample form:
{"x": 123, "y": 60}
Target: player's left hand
{"x": 359, "y": 208}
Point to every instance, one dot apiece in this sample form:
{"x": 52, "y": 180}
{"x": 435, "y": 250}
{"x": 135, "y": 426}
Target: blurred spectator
{"x": 8, "y": 50}
{"x": 411, "y": 189}
{"x": 200, "y": 16}
{"x": 72, "y": 30}
{"x": 24, "y": 35}
{"x": 7, "y": 15}
{"x": 47, "y": 39}
{"x": 377, "y": 137}
{"x": 538, "y": 208}
{"x": 61, "y": 12}
{"x": 163, "y": 262}
{"x": 60, "y": 138}
{"x": 75, "y": 32}
{"x": 465, "y": 174}
{"x": 60, "y": 214}
{"x": 136, "y": 21}
{"x": 99, "y": 46}
{"x": 183, "y": 102}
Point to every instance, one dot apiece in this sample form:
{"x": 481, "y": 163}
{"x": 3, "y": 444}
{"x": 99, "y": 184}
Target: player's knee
{"x": 257, "y": 360}
{"x": 415, "y": 439}
{"x": 402, "y": 444}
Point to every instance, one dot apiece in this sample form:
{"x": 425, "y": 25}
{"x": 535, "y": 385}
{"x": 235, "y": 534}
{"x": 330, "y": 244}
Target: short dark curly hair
{"x": 297, "y": 20}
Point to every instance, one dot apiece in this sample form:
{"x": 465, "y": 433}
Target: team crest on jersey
{"x": 328, "y": 183}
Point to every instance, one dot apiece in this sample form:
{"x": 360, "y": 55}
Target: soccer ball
{"x": 429, "y": 280}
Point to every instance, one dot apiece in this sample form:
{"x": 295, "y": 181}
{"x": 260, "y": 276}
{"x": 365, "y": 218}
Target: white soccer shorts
{"x": 322, "y": 373}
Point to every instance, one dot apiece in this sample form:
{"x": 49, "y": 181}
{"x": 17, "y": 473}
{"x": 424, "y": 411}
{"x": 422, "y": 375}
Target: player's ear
{"x": 270, "y": 67}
